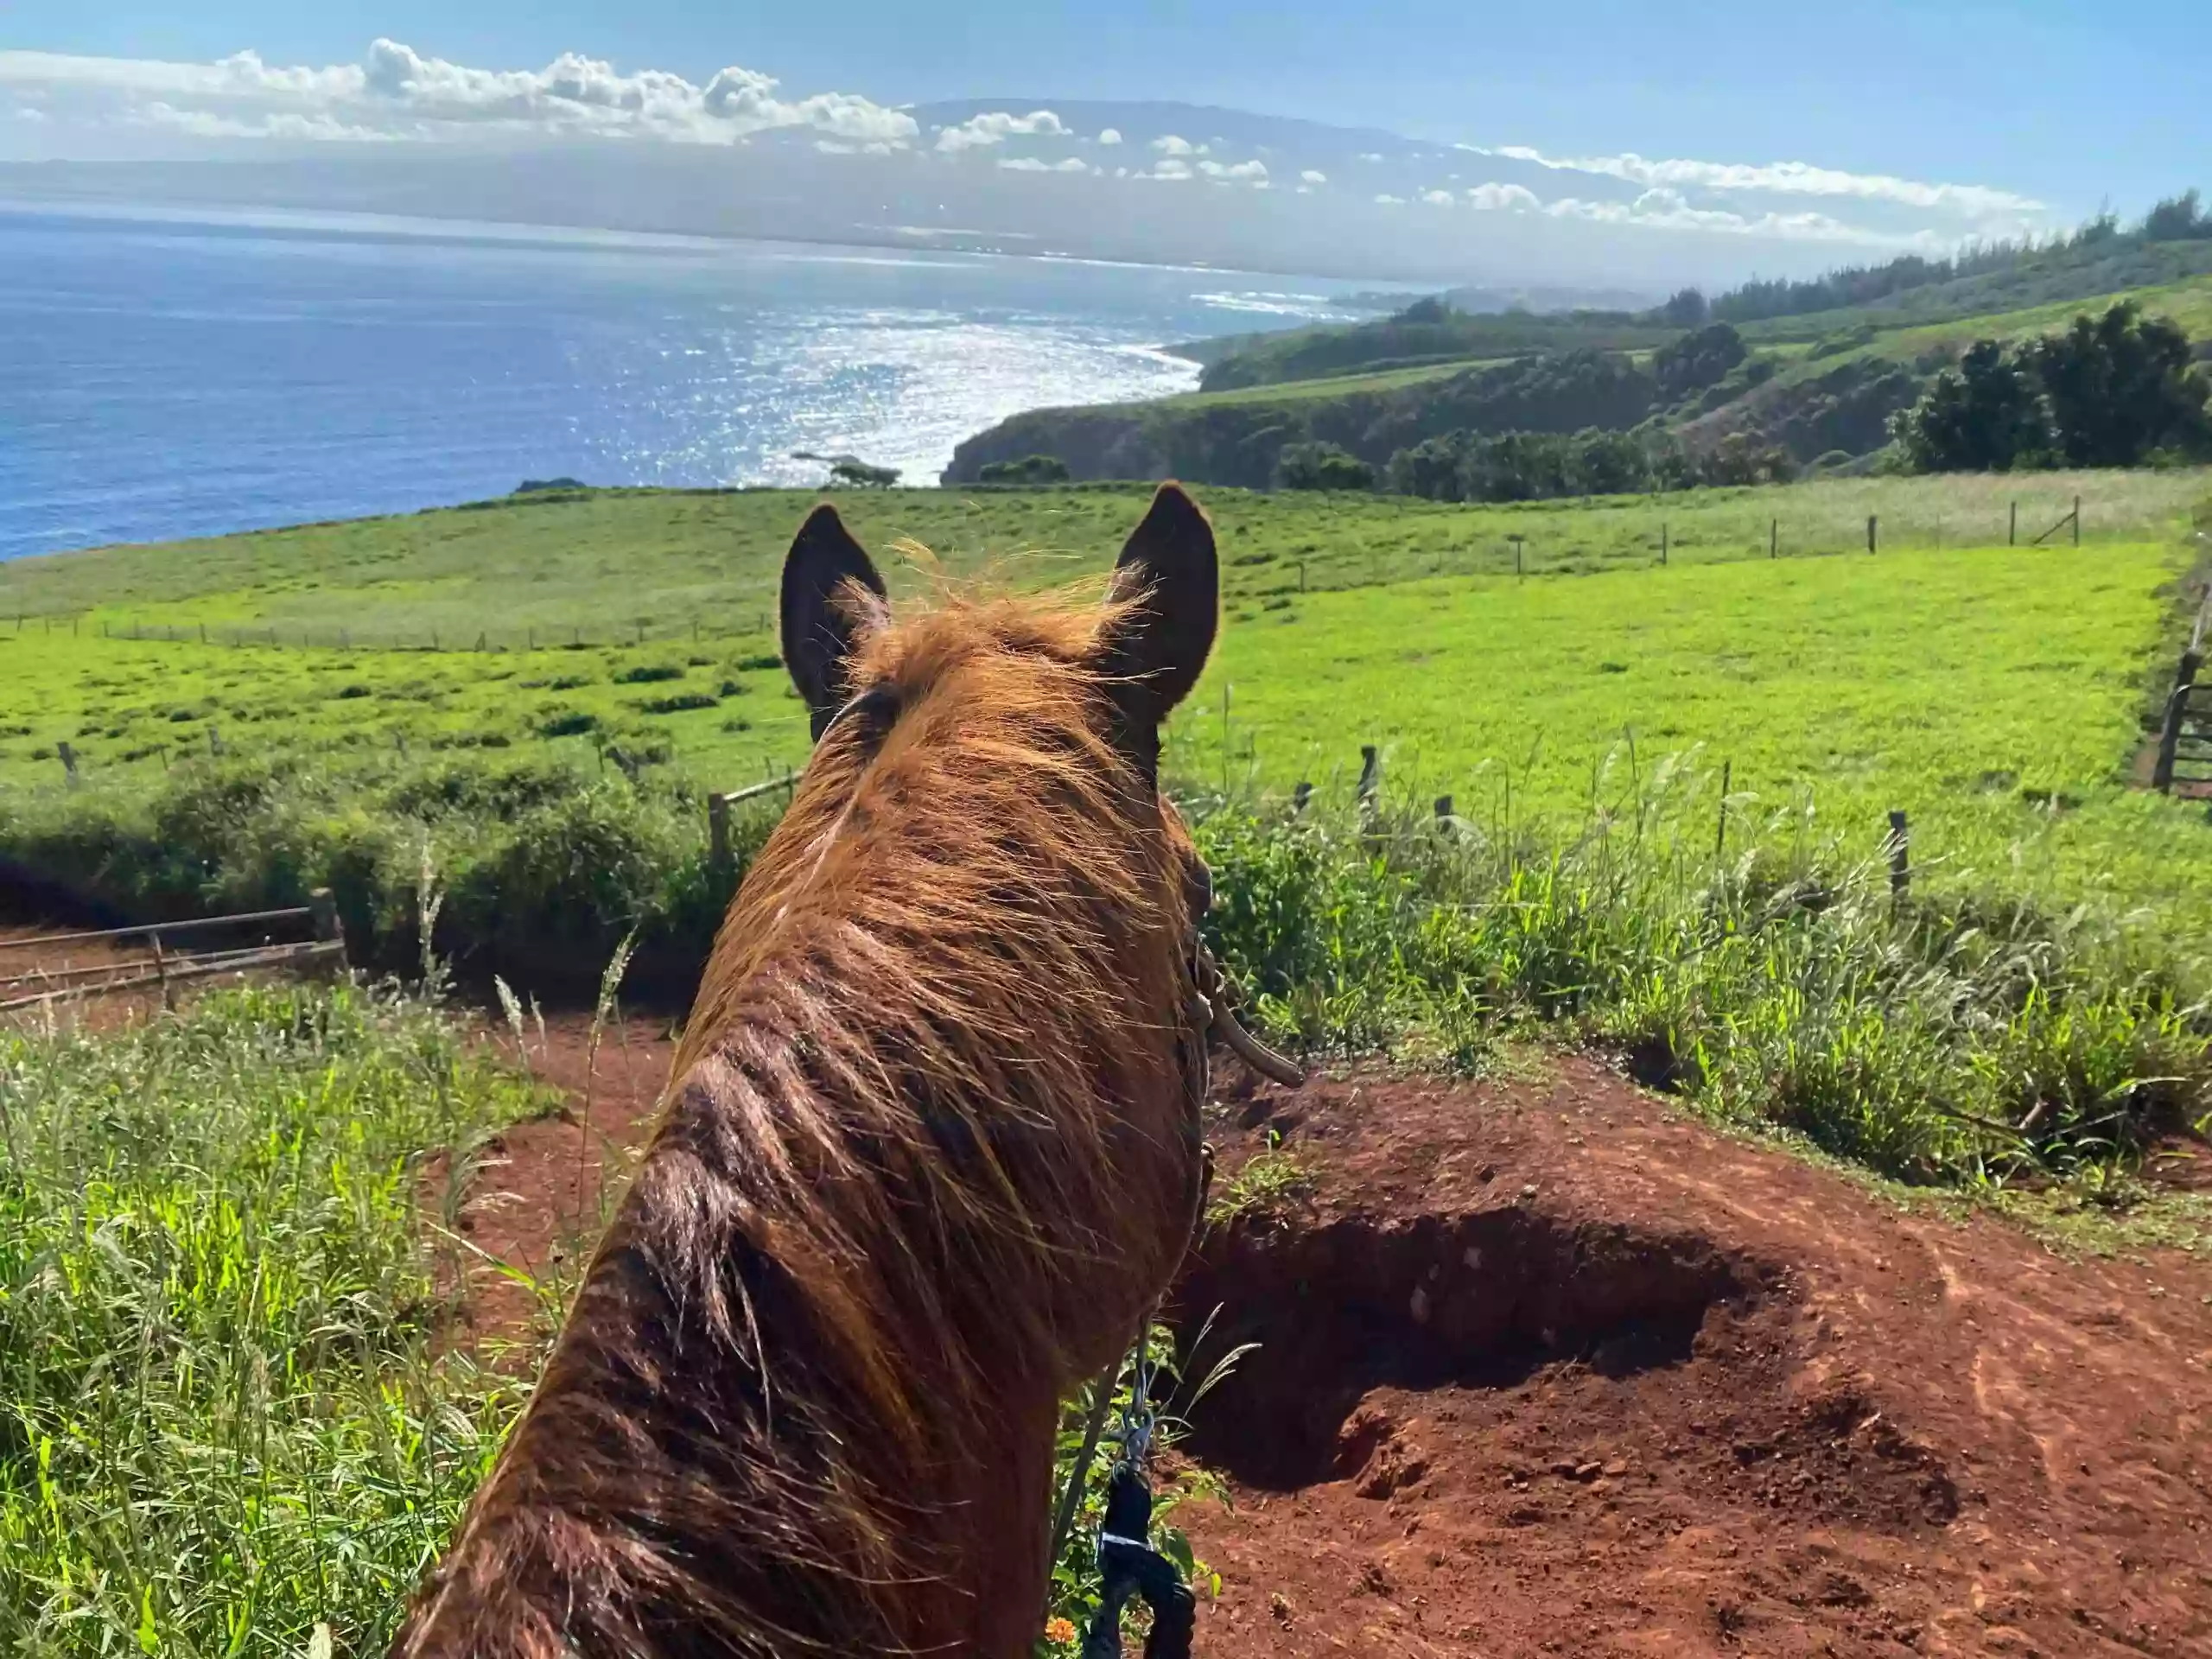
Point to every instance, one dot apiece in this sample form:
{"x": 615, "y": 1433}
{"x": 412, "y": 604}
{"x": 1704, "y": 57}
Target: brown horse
{"x": 931, "y": 1153}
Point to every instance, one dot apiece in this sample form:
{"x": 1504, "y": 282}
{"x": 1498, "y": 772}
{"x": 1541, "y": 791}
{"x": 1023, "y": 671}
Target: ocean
{"x": 165, "y": 373}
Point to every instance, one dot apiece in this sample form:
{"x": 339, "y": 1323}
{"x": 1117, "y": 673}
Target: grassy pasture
{"x": 1995, "y": 694}
{"x": 651, "y": 612}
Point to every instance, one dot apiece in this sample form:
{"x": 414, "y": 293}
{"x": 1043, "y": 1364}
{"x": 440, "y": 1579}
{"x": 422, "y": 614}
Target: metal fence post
{"x": 2162, "y": 775}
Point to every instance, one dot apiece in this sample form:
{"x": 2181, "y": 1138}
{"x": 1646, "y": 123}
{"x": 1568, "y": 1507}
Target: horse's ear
{"x": 832, "y": 597}
{"x": 1170, "y": 578}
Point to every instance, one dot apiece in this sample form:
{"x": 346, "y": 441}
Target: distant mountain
{"x": 1151, "y": 182}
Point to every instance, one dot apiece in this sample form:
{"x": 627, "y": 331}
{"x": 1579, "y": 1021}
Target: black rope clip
{"x": 1131, "y": 1567}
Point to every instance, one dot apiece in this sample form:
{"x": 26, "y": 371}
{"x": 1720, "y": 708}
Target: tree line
{"x": 2121, "y": 389}
{"x": 2176, "y": 219}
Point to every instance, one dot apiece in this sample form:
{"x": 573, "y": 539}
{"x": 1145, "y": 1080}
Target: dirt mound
{"x": 1545, "y": 1369}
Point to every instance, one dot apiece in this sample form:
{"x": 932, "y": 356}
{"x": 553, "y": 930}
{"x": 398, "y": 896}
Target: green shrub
{"x": 681, "y": 703}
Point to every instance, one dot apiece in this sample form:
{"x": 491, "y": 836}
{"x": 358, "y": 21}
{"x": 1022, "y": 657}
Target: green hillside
{"x": 1813, "y": 388}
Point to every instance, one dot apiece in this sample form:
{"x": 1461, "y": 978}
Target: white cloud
{"x": 1785, "y": 178}
{"x": 1031, "y": 164}
{"x": 996, "y": 126}
{"x": 1439, "y": 198}
{"x": 1493, "y": 198}
{"x": 1169, "y": 168}
{"x": 205, "y": 124}
{"x": 1253, "y": 173}
{"x": 1668, "y": 210}
{"x": 1388, "y": 200}
{"x": 1312, "y": 175}
{"x": 1110, "y": 135}
{"x": 1170, "y": 145}
{"x": 395, "y": 91}
{"x": 1370, "y": 155}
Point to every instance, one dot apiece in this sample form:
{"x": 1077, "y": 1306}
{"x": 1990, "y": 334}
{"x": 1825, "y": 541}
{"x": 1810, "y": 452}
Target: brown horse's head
{"x": 930, "y": 1152}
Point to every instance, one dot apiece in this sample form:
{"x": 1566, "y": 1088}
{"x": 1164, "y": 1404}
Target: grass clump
{"x": 1953, "y": 1038}
{"x": 550, "y": 862}
{"x": 226, "y": 1422}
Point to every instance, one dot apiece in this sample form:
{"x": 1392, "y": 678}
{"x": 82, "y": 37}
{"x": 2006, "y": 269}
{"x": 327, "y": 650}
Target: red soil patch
{"x": 1548, "y": 1369}
{"x": 545, "y": 1187}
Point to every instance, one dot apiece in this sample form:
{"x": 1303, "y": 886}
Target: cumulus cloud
{"x": 1110, "y": 135}
{"x": 1389, "y": 200}
{"x": 395, "y": 91}
{"x": 1495, "y": 198}
{"x": 1169, "y": 167}
{"x": 1370, "y": 155}
{"x": 1236, "y": 172}
{"x": 1439, "y": 198}
{"x": 1032, "y": 165}
{"x": 996, "y": 126}
{"x": 1784, "y": 178}
{"x": 1175, "y": 144}
{"x": 1312, "y": 175}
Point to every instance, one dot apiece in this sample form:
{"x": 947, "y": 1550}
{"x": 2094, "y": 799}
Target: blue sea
{"x": 167, "y": 374}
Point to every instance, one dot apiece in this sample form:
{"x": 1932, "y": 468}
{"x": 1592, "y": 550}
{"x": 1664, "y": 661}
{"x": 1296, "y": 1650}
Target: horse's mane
{"x": 918, "y": 1101}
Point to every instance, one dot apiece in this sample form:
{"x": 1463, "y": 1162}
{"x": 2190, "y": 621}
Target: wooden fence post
{"x": 1720, "y": 836}
{"x": 329, "y": 930}
{"x": 2077, "y": 521}
{"x": 1900, "y": 854}
{"x": 1774, "y": 538}
{"x": 1873, "y": 533}
{"x": 718, "y": 832}
{"x": 1515, "y": 540}
{"x": 161, "y": 973}
{"x": 2012, "y": 535}
{"x": 1664, "y": 539}
{"x": 1370, "y": 775}
{"x": 2162, "y": 775}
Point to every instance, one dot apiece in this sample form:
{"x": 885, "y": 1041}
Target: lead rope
{"x": 1128, "y": 1564}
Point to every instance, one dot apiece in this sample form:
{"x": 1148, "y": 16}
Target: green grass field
{"x": 650, "y": 614}
{"x": 1996, "y": 695}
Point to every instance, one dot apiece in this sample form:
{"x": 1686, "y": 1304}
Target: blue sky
{"x": 2071, "y": 101}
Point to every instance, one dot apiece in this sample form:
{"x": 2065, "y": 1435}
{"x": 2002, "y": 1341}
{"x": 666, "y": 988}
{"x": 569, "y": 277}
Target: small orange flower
{"x": 1061, "y": 1632}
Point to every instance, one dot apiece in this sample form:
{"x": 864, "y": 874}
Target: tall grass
{"x": 1947, "y": 1037}
{"x": 225, "y": 1421}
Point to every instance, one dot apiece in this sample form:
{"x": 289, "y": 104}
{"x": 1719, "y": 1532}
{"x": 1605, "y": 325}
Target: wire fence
{"x": 304, "y": 637}
{"x": 1534, "y": 539}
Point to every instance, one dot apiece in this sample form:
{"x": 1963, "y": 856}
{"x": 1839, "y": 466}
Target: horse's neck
{"x": 716, "y": 1450}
